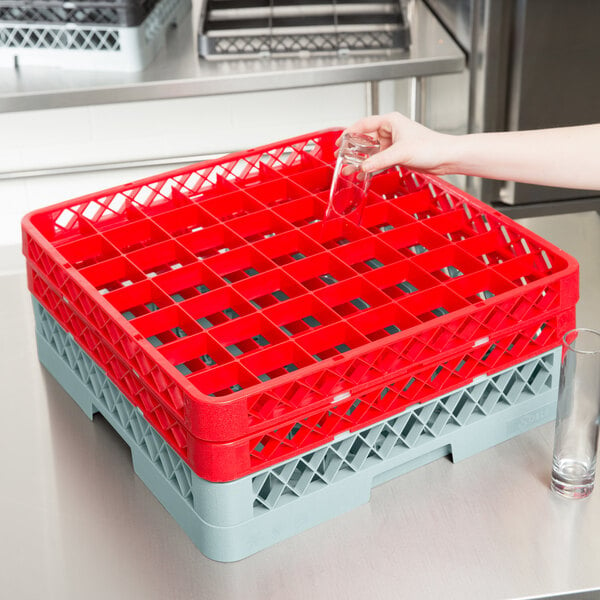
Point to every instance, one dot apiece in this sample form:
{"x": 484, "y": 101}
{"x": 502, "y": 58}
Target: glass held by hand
{"x": 350, "y": 183}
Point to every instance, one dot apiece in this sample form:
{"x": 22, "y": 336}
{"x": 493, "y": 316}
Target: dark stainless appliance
{"x": 533, "y": 64}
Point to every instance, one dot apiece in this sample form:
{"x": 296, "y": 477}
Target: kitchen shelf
{"x": 179, "y": 72}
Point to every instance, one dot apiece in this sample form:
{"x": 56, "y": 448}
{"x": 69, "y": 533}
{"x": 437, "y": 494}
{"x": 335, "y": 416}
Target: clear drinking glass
{"x": 349, "y": 186}
{"x": 576, "y": 432}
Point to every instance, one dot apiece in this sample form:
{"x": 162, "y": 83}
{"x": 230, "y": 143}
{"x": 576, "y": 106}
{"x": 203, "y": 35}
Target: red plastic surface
{"x": 247, "y": 330}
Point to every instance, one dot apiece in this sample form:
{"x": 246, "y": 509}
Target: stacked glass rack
{"x": 268, "y": 368}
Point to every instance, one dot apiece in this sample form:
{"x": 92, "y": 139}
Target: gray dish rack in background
{"x": 125, "y": 13}
{"x": 254, "y": 28}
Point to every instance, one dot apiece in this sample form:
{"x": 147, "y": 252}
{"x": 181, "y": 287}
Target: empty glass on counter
{"x": 350, "y": 184}
{"x": 576, "y": 432}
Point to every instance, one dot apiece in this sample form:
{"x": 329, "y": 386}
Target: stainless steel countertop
{"x": 178, "y": 72}
{"x": 76, "y": 522}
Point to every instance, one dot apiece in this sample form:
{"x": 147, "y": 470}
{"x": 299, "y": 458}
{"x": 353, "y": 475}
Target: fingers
{"x": 382, "y": 160}
{"x": 367, "y": 125}
{"x": 382, "y": 126}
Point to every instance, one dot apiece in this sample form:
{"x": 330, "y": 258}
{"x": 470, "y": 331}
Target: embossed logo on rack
{"x": 535, "y": 417}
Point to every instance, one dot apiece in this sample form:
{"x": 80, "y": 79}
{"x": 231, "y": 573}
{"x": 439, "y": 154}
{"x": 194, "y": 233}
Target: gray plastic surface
{"x": 230, "y": 521}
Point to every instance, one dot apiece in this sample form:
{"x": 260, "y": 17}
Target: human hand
{"x": 404, "y": 142}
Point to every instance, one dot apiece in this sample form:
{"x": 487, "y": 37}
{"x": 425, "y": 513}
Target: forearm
{"x": 563, "y": 157}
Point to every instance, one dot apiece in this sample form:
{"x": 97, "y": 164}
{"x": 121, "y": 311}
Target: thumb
{"x": 382, "y": 160}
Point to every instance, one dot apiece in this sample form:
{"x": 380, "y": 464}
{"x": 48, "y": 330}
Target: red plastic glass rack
{"x": 249, "y": 331}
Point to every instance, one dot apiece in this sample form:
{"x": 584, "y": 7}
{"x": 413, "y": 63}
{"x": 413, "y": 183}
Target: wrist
{"x": 451, "y": 154}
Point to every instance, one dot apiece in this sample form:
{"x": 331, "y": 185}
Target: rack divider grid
{"x": 249, "y": 331}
